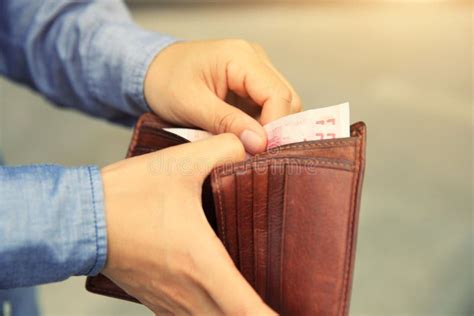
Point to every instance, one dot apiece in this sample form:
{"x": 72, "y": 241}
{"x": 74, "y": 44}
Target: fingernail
{"x": 253, "y": 142}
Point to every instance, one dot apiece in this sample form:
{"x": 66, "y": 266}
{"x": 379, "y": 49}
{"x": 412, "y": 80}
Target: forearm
{"x": 52, "y": 224}
{"x": 87, "y": 55}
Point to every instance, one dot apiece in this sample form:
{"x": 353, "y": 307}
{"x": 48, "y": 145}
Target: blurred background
{"x": 405, "y": 67}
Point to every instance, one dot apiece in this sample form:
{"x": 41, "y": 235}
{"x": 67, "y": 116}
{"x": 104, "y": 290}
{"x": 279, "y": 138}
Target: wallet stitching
{"x": 251, "y": 206}
{"x": 254, "y": 235}
{"x": 282, "y": 241}
{"x": 221, "y": 211}
{"x": 267, "y": 236}
{"x": 235, "y": 219}
{"x": 284, "y": 160}
{"x": 351, "y": 232}
{"x": 337, "y": 143}
{"x": 259, "y": 260}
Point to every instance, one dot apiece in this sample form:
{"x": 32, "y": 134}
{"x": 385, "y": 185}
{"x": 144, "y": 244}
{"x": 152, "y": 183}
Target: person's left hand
{"x": 220, "y": 86}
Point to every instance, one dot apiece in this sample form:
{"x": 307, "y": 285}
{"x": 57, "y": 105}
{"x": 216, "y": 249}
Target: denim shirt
{"x": 87, "y": 55}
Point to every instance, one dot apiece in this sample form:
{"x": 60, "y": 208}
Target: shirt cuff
{"x": 97, "y": 201}
{"x": 118, "y": 59}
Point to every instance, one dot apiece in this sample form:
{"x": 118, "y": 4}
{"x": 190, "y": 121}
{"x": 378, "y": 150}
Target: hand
{"x": 189, "y": 83}
{"x": 161, "y": 249}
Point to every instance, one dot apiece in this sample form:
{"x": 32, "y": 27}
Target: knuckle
{"x": 224, "y": 123}
{"x": 296, "y": 102}
{"x": 234, "y": 69}
{"x": 285, "y": 95}
{"x": 298, "y": 107}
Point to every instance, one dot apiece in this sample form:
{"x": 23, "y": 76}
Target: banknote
{"x": 189, "y": 133}
{"x": 323, "y": 123}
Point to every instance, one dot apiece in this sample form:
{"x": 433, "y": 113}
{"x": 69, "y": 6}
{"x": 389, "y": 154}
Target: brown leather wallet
{"x": 288, "y": 218}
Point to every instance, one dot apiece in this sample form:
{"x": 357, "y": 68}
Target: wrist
{"x": 159, "y": 73}
{"x": 108, "y": 214}
{"x": 117, "y": 210}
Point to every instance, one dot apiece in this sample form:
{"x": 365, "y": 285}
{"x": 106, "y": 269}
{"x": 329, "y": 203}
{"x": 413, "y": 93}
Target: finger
{"x": 296, "y": 105}
{"x": 227, "y": 286}
{"x": 200, "y": 157}
{"x": 262, "y": 85}
{"x": 220, "y": 117}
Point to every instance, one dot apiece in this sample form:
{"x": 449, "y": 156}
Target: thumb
{"x": 204, "y": 155}
{"x": 221, "y": 117}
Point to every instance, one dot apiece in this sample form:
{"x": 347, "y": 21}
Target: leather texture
{"x": 288, "y": 218}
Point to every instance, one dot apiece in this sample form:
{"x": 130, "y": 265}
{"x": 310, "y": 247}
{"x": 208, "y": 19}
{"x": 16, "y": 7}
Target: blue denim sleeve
{"x": 87, "y": 55}
{"x": 52, "y": 224}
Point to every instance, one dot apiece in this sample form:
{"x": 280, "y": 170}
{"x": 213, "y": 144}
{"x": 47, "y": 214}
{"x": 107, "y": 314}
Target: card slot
{"x": 316, "y": 235}
{"x": 208, "y": 203}
{"x": 262, "y": 163}
{"x": 276, "y": 193}
{"x": 342, "y": 150}
{"x": 245, "y": 224}
{"x": 260, "y": 231}
{"x": 226, "y": 215}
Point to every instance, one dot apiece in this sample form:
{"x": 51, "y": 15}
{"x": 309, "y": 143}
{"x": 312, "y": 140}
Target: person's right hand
{"x": 161, "y": 249}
